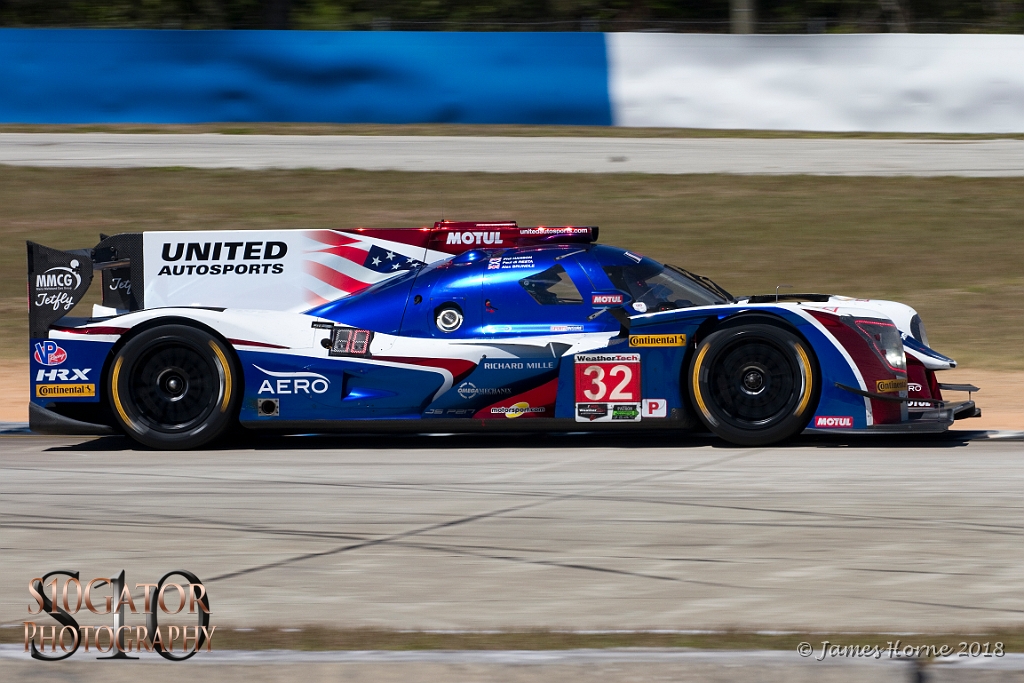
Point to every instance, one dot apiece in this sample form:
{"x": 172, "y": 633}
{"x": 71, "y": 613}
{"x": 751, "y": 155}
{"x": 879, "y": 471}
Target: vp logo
{"x": 48, "y": 353}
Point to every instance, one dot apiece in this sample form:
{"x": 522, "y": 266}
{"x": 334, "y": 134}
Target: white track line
{"x": 818, "y": 156}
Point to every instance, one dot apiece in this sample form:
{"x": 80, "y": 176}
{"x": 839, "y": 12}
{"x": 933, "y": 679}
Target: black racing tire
{"x": 754, "y": 384}
{"x": 174, "y": 387}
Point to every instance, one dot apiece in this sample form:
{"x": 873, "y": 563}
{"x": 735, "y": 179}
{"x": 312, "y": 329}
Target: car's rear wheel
{"x": 754, "y": 384}
{"x": 174, "y": 387}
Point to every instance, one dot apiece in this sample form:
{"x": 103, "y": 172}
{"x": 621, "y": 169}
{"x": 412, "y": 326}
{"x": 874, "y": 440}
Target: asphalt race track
{"x": 820, "y": 156}
{"x": 570, "y": 531}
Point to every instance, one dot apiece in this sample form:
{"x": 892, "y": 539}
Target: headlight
{"x": 884, "y": 339}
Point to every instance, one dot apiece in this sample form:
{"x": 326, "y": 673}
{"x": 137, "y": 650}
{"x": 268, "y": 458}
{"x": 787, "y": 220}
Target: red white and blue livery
{"x": 458, "y": 327}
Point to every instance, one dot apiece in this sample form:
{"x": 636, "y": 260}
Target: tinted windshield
{"x": 660, "y": 288}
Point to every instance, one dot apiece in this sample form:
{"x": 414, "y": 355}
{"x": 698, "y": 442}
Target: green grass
{"x": 950, "y": 247}
{"x": 316, "y": 638}
{"x": 503, "y": 130}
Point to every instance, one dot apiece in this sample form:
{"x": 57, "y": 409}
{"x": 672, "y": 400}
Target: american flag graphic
{"x": 338, "y": 264}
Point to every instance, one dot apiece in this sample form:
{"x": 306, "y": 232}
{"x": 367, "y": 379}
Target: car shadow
{"x": 531, "y": 441}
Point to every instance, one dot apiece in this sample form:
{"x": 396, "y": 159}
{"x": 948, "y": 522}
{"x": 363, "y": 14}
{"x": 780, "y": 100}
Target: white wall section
{"x": 861, "y": 82}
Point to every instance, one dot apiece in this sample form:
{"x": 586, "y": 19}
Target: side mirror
{"x": 622, "y": 315}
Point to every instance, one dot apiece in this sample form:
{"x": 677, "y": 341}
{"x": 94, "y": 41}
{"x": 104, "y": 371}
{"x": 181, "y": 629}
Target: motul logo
{"x": 606, "y": 299}
{"x": 834, "y": 422}
{"x": 468, "y": 237}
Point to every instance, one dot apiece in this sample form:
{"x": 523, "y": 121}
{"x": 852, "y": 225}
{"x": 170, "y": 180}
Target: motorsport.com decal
{"x": 195, "y": 258}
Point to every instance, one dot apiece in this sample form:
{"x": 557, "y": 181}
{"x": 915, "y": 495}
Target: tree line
{"x": 713, "y": 16}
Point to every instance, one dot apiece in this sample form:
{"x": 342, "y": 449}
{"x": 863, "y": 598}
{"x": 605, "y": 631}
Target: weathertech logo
{"x": 843, "y": 422}
{"x": 888, "y": 386}
{"x": 592, "y": 411}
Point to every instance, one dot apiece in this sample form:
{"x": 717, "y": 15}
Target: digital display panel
{"x": 347, "y": 341}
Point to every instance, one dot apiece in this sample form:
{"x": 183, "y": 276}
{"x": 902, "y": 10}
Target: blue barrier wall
{"x": 112, "y": 76}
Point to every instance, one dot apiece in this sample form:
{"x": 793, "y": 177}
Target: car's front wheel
{"x": 174, "y": 387}
{"x": 754, "y": 384}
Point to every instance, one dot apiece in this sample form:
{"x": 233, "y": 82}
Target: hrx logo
{"x": 63, "y": 375}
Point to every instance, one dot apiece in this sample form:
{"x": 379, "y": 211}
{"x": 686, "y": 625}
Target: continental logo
{"x": 636, "y": 340}
{"x": 888, "y": 386}
{"x": 64, "y": 390}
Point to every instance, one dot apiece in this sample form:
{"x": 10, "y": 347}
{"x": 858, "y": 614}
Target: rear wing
{"x": 281, "y": 270}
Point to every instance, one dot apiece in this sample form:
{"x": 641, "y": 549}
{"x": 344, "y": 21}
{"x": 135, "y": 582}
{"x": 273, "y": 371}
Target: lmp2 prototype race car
{"x": 458, "y": 327}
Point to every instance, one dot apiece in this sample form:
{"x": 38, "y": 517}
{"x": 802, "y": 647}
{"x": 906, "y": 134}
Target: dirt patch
{"x": 1001, "y": 397}
{"x": 14, "y": 389}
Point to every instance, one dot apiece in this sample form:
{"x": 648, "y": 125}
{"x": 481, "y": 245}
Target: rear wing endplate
{"x": 58, "y": 280}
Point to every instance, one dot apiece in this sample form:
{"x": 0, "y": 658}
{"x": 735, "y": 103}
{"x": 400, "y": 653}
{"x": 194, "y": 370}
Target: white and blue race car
{"x": 458, "y": 327}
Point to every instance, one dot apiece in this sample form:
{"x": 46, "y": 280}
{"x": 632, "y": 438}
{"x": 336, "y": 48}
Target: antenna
{"x": 777, "y": 291}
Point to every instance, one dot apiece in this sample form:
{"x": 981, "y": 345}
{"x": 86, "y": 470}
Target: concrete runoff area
{"x": 560, "y": 532}
{"x": 816, "y": 156}
{"x": 655, "y": 666}
{"x": 443, "y": 667}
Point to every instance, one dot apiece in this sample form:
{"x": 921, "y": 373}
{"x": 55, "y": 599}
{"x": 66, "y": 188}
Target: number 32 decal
{"x": 598, "y": 390}
{"x": 607, "y": 387}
